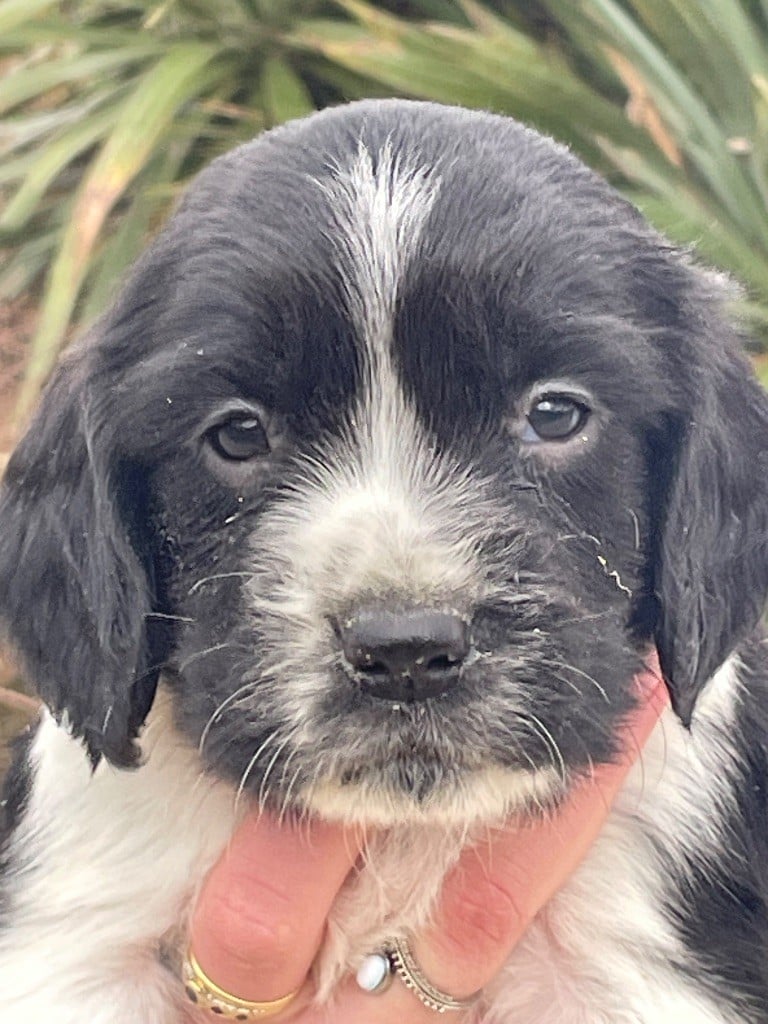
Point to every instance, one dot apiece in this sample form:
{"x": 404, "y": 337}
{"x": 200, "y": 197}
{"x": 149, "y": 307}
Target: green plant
{"x": 668, "y": 98}
{"x": 109, "y": 107}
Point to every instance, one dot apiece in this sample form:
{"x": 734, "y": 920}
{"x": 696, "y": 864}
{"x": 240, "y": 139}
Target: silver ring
{"x": 395, "y": 957}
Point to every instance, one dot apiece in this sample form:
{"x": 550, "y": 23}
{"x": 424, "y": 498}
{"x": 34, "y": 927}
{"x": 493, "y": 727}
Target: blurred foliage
{"x": 110, "y": 107}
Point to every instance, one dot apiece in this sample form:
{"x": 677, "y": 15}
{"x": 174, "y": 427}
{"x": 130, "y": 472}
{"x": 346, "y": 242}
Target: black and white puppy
{"x": 402, "y": 446}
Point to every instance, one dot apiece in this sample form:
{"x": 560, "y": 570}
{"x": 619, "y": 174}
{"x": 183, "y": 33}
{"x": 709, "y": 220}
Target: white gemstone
{"x": 373, "y": 972}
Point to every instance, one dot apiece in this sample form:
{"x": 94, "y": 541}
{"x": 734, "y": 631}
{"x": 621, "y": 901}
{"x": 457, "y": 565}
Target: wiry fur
{"x": 389, "y": 287}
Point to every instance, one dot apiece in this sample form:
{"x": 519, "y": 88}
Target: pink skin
{"x": 261, "y": 914}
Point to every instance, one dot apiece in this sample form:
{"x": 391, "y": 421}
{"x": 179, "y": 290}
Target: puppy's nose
{"x": 405, "y": 656}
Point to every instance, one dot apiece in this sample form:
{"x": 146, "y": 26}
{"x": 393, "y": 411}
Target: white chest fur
{"x": 107, "y": 864}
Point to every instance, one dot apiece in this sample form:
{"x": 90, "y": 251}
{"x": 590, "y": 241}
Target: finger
{"x": 495, "y": 892}
{"x": 498, "y": 887}
{"x": 260, "y": 917}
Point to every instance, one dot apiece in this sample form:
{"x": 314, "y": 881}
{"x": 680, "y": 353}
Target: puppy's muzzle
{"x": 406, "y": 655}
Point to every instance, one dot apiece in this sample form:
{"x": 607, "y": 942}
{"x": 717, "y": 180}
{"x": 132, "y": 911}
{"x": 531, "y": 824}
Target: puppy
{"x": 402, "y": 446}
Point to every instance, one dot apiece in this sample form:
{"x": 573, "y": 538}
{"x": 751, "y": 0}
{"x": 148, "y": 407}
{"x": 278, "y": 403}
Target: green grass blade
{"x": 31, "y": 82}
{"x": 729, "y": 21}
{"x": 52, "y": 30}
{"x": 48, "y": 164}
{"x": 19, "y": 273}
{"x": 154, "y": 195}
{"x": 284, "y": 95}
{"x": 705, "y": 53}
{"x": 17, "y": 133}
{"x": 16, "y": 12}
{"x": 17, "y": 168}
{"x": 145, "y": 115}
{"x": 694, "y": 126}
{"x": 504, "y": 72}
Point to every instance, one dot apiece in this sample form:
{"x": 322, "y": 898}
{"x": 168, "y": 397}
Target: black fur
{"x": 17, "y": 786}
{"x": 16, "y": 792}
{"x": 125, "y": 549}
{"x": 719, "y": 904}
{"x": 74, "y": 593}
{"x": 547, "y": 274}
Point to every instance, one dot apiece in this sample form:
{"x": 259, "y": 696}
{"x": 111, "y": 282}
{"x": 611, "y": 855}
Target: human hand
{"x": 261, "y": 915}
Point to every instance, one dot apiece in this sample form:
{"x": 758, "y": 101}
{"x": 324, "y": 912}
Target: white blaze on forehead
{"x": 380, "y": 213}
{"x": 375, "y": 511}
{"x": 381, "y": 205}
{"x": 375, "y": 500}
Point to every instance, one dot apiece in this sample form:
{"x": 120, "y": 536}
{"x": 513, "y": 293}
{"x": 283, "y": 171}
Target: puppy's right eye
{"x": 554, "y": 418}
{"x": 239, "y": 438}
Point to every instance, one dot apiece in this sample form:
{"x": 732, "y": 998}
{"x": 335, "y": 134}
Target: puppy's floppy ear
{"x": 711, "y": 574}
{"x": 74, "y": 595}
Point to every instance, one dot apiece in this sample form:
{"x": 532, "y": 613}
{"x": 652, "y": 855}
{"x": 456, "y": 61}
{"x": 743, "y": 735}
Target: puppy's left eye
{"x": 239, "y": 438}
{"x": 554, "y": 418}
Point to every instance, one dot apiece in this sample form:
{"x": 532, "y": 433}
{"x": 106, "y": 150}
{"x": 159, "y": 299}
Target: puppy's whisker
{"x": 636, "y": 524}
{"x": 308, "y": 798}
{"x": 218, "y": 576}
{"x": 237, "y": 515}
{"x": 203, "y": 654}
{"x": 251, "y": 765}
{"x": 523, "y": 754}
{"x": 569, "y": 683}
{"x": 515, "y": 600}
{"x": 263, "y": 790}
{"x": 287, "y": 763}
{"x": 307, "y": 790}
{"x": 286, "y": 801}
{"x": 167, "y": 615}
{"x": 585, "y": 675}
{"x": 544, "y": 734}
{"x": 231, "y": 699}
{"x": 158, "y": 666}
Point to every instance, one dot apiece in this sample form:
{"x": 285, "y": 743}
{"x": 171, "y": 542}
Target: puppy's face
{"x": 392, "y": 419}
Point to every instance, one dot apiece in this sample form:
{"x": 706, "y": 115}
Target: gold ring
{"x": 207, "y": 995}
